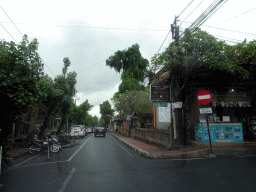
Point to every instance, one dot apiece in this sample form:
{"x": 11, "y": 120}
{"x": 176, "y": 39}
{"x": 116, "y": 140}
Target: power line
{"x": 237, "y": 16}
{"x": 193, "y": 10}
{"x": 8, "y": 33}
{"x": 164, "y": 41}
{"x": 92, "y": 65}
{"x": 112, "y": 28}
{"x": 102, "y": 83}
{"x": 11, "y": 21}
{"x": 151, "y": 34}
{"x": 225, "y": 29}
{"x": 185, "y": 8}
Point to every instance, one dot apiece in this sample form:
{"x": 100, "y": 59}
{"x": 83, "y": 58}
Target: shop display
{"x": 219, "y": 132}
{"x": 225, "y": 122}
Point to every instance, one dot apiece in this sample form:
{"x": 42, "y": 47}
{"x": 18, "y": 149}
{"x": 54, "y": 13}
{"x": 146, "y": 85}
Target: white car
{"x": 78, "y": 131}
{"x": 89, "y": 130}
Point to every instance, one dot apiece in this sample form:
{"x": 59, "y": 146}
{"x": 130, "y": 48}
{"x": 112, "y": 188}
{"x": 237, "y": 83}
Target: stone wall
{"x": 155, "y": 137}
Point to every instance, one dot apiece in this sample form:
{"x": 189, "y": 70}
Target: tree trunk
{"x": 60, "y": 127}
{"x": 46, "y": 119}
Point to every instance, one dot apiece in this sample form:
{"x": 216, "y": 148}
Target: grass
{"x": 233, "y": 154}
{"x": 247, "y": 153}
{"x": 203, "y": 155}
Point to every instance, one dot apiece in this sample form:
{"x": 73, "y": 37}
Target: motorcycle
{"x": 42, "y": 145}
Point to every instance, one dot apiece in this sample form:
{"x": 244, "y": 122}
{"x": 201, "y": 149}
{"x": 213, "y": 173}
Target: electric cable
{"x": 237, "y": 16}
{"x": 8, "y": 33}
{"x": 164, "y": 41}
{"x": 200, "y": 16}
{"x": 185, "y": 8}
{"x": 225, "y": 29}
{"x": 203, "y": 16}
{"x": 193, "y": 11}
{"x": 11, "y": 21}
{"x": 101, "y": 84}
{"x": 213, "y": 12}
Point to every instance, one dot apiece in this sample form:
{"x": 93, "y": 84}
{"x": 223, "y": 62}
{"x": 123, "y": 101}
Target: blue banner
{"x": 219, "y": 132}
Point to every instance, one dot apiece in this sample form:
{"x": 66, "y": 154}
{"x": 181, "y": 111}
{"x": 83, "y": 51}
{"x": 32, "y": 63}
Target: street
{"x": 105, "y": 164}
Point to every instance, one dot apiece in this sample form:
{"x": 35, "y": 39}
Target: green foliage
{"x": 199, "y": 53}
{"x": 95, "y": 121}
{"x": 79, "y": 114}
{"x": 20, "y": 71}
{"x": 102, "y": 122}
{"x": 7, "y": 145}
{"x": 130, "y": 62}
{"x": 106, "y": 111}
{"x": 133, "y": 101}
{"x": 132, "y": 65}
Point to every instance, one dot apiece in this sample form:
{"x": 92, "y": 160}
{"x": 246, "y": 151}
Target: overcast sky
{"x": 86, "y": 32}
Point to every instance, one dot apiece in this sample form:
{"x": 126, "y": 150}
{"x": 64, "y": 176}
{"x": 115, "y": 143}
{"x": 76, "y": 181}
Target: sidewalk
{"x": 150, "y": 151}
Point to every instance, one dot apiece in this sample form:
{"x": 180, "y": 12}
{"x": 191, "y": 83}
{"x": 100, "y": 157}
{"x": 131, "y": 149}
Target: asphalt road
{"x": 105, "y": 164}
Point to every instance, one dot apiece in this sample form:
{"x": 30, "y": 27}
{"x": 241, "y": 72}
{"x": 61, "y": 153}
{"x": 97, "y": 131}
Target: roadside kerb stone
{"x": 181, "y": 155}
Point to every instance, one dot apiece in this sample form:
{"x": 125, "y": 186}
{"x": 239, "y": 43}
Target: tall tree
{"x": 95, "y": 121}
{"x": 53, "y": 95}
{"x": 66, "y": 65}
{"x": 20, "y": 71}
{"x": 133, "y": 101}
{"x": 132, "y": 66}
{"x": 106, "y": 112}
{"x": 79, "y": 113}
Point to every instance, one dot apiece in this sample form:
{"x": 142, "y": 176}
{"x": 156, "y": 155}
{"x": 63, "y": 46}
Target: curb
{"x": 182, "y": 155}
{"x": 200, "y": 153}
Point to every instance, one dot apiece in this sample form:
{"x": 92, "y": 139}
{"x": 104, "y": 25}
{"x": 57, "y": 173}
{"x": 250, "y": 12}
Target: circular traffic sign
{"x": 204, "y": 97}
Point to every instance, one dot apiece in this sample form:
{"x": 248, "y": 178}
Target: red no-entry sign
{"x": 204, "y": 97}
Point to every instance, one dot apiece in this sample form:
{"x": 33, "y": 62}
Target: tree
{"x": 79, "y": 114}
{"x": 102, "y": 122}
{"x": 132, "y": 65}
{"x": 95, "y": 121}
{"x": 52, "y": 97}
{"x": 133, "y": 101}
{"x": 198, "y": 56}
{"x": 20, "y": 71}
{"x": 67, "y": 84}
{"x": 106, "y": 112}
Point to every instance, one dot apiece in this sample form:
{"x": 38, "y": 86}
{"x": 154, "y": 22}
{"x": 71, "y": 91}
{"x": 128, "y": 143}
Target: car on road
{"x": 89, "y": 130}
{"x": 99, "y": 131}
{"x": 78, "y": 131}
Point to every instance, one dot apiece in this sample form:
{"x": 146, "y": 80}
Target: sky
{"x": 89, "y": 32}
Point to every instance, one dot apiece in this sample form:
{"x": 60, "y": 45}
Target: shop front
{"x": 229, "y": 120}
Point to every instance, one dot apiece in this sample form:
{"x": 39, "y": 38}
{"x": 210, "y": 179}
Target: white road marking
{"x": 42, "y": 163}
{"x": 21, "y": 163}
{"x": 67, "y": 180}
{"x": 122, "y": 147}
{"x": 248, "y": 156}
{"x": 78, "y": 150}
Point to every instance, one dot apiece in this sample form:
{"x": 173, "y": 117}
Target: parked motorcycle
{"x": 36, "y": 146}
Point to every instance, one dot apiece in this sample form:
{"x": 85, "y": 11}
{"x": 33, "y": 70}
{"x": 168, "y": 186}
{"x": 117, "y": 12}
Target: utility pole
{"x": 177, "y": 112}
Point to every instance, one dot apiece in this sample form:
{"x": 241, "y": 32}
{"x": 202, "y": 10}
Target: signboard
{"x": 205, "y": 110}
{"x": 160, "y": 92}
{"x": 164, "y": 114}
{"x": 204, "y": 97}
{"x": 158, "y": 104}
{"x": 177, "y": 105}
{"x": 229, "y": 132}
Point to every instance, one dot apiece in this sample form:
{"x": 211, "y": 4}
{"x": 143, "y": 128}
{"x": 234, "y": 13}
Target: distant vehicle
{"x": 99, "y": 131}
{"x": 78, "y": 131}
{"x": 89, "y": 130}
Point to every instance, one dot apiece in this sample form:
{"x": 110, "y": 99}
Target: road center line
{"x": 78, "y": 150}
{"x": 67, "y": 180}
{"x": 121, "y": 146}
